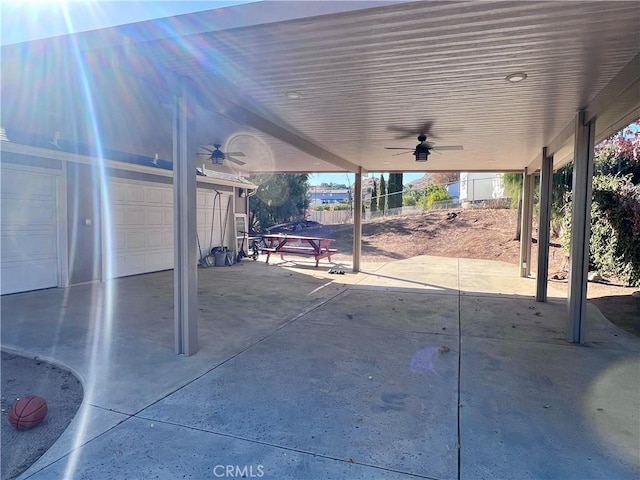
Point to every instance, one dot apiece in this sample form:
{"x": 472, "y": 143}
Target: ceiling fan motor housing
{"x": 421, "y": 152}
{"x": 217, "y": 157}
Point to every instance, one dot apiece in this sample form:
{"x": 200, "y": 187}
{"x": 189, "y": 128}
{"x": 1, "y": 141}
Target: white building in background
{"x": 477, "y": 187}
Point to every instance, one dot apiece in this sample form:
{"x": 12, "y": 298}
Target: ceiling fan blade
{"x": 424, "y": 129}
{"x": 236, "y": 154}
{"x": 448, "y": 147}
{"x": 402, "y": 153}
{"x": 206, "y": 149}
{"x": 398, "y": 148}
{"x": 405, "y": 133}
{"x": 239, "y": 162}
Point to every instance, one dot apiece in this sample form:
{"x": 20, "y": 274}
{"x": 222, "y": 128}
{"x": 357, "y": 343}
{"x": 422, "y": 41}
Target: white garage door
{"x": 141, "y": 215}
{"x": 29, "y": 223}
{"x": 212, "y": 211}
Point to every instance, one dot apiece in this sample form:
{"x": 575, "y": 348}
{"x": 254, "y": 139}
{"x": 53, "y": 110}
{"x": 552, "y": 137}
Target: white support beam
{"x": 357, "y": 222}
{"x": 527, "y": 221}
{"x": 544, "y": 227}
{"x": 184, "y": 195}
{"x": 580, "y": 229}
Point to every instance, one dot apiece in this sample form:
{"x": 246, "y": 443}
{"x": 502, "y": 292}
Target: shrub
{"x": 433, "y": 194}
{"x": 615, "y": 228}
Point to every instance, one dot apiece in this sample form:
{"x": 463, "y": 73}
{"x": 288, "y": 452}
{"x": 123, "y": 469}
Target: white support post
{"x": 357, "y": 222}
{"x": 527, "y": 220}
{"x": 184, "y": 213}
{"x": 544, "y": 227}
{"x": 580, "y": 228}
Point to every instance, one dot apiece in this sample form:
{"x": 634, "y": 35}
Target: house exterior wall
{"x": 84, "y": 223}
{"x": 322, "y": 196}
{"x": 81, "y": 208}
{"x": 475, "y": 187}
{"x": 454, "y": 189}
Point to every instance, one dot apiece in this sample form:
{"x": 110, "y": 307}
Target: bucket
{"x": 220, "y": 258}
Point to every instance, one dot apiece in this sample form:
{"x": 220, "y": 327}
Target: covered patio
{"x": 429, "y": 368}
{"x": 437, "y": 368}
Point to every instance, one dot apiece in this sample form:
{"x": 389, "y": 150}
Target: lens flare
{"x": 101, "y": 314}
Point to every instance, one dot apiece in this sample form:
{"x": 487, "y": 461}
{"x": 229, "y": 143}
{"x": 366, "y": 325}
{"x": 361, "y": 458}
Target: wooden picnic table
{"x": 281, "y": 243}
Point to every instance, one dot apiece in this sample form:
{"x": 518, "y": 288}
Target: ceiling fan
{"x": 424, "y": 148}
{"x": 217, "y": 156}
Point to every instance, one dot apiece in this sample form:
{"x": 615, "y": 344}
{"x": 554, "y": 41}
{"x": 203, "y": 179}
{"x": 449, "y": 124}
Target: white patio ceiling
{"x": 361, "y": 71}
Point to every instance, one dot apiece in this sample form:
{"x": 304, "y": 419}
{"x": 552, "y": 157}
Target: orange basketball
{"x": 28, "y": 412}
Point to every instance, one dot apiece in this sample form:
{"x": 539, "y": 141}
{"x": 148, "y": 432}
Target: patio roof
{"x": 360, "y": 68}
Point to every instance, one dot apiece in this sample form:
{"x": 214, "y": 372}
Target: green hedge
{"x": 615, "y": 228}
{"x": 332, "y": 206}
{"x": 433, "y": 194}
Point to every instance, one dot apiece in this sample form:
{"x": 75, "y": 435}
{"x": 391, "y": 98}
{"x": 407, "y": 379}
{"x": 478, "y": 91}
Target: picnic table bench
{"x": 315, "y": 247}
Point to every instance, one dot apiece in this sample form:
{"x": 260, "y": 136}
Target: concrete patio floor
{"x": 422, "y": 368}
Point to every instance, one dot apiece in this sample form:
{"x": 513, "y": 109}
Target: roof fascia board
{"x": 85, "y": 160}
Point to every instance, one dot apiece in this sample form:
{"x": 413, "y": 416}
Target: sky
{"x": 22, "y": 20}
{"x": 349, "y": 178}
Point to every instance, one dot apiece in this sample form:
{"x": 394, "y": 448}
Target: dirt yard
{"x": 474, "y": 233}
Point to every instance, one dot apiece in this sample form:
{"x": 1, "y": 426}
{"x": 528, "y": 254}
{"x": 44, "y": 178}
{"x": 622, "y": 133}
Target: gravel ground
{"x": 63, "y": 393}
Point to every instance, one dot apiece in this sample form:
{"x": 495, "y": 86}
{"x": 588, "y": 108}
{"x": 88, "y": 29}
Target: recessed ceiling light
{"x": 516, "y": 77}
{"x": 293, "y": 95}
{"x": 386, "y": 163}
{"x": 315, "y": 163}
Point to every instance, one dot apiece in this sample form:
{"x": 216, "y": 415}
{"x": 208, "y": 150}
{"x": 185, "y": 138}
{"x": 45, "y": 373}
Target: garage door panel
{"x": 134, "y": 216}
{"x": 28, "y": 245}
{"x": 27, "y": 275}
{"x": 134, "y": 194}
{"x": 119, "y": 240}
{"x": 143, "y": 225}
{"x": 167, "y": 238}
{"x": 154, "y": 239}
{"x": 117, "y": 215}
{"x": 28, "y": 223}
{"x": 160, "y": 260}
{"x": 117, "y": 193}
{"x": 129, "y": 264}
{"x": 28, "y": 212}
{"x": 155, "y": 216}
{"x": 26, "y": 184}
{"x": 153, "y": 195}
{"x": 208, "y": 214}
{"x": 136, "y": 240}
